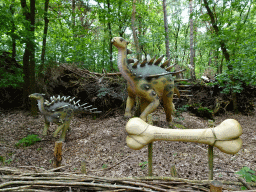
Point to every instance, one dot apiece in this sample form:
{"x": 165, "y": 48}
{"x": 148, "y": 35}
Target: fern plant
{"x": 28, "y": 141}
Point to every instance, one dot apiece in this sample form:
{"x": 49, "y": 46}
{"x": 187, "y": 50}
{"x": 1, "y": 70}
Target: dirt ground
{"x": 100, "y": 143}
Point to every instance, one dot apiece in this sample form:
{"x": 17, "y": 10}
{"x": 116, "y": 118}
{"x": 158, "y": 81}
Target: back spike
{"x": 165, "y": 63}
{"x": 148, "y": 58}
{"x": 152, "y": 60}
{"x": 159, "y": 60}
{"x": 170, "y": 67}
{"x": 177, "y": 72}
{"x": 143, "y": 63}
{"x": 135, "y": 64}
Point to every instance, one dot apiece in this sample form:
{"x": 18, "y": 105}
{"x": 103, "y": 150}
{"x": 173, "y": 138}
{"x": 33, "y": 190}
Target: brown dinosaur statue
{"x": 147, "y": 80}
{"x": 60, "y": 110}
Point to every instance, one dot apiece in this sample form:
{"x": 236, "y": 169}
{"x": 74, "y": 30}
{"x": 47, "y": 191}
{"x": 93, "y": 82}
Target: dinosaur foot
{"x": 62, "y": 139}
{"x": 127, "y": 115}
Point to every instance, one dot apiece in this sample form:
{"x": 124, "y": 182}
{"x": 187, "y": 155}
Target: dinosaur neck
{"x": 40, "y": 104}
{"x": 123, "y": 67}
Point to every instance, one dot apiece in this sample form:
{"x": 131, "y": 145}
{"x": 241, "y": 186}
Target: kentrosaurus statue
{"x": 148, "y": 81}
{"x": 60, "y": 110}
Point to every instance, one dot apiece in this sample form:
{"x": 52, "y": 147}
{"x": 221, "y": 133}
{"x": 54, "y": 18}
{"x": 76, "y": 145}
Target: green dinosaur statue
{"x": 60, "y": 110}
{"x": 147, "y": 80}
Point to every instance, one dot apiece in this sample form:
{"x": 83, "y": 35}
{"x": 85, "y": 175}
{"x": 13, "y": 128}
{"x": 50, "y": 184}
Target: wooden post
{"x": 150, "y": 149}
{"x": 210, "y": 161}
{"x": 215, "y": 186}
{"x": 83, "y": 167}
{"x": 57, "y": 154}
{"x": 210, "y": 154}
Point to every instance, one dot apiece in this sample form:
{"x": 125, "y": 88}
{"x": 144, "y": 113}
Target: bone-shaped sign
{"x": 225, "y": 136}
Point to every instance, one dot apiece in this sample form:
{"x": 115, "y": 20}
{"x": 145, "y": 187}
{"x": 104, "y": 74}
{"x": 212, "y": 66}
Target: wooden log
{"x": 57, "y": 153}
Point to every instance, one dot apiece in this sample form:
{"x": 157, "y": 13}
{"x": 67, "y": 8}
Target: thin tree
{"x": 135, "y": 38}
{"x": 46, "y": 22}
{"x": 167, "y": 47}
{"x": 192, "y": 50}
{"x": 110, "y": 38}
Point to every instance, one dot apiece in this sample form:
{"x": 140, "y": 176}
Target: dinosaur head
{"x": 36, "y": 96}
{"x": 119, "y": 42}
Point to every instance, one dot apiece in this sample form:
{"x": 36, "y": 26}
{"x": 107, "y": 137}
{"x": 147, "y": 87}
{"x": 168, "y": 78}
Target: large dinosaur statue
{"x": 147, "y": 80}
{"x": 60, "y": 110}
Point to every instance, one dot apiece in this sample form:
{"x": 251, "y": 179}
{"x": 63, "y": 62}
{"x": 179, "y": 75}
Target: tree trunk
{"x": 73, "y": 13}
{"x": 46, "y": 22}
{"x": 110, "y": 38}
{"x": 29, "y": 56}
{"x": 12, "y": 31}
{"x": 136, "y": 41}
{"x": 167, "y": 47}
{"x": 192, "y": 50}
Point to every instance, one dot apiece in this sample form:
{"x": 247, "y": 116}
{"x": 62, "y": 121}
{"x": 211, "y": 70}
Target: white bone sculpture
{"x": 225, "y": 136}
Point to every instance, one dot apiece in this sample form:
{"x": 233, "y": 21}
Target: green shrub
{"x": 247, "y": 174}
{"x": 27, "y": 141}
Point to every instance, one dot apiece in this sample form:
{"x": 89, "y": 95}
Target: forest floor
{"x": 101, "y": 143}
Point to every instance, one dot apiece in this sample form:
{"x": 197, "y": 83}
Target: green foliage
{"x": 143, "y": 164}
{"x": 28, "y": 141}
{"x": 2, "y": 159}
{"x": 247, "y": 174}
{"x": 14, "y": 79}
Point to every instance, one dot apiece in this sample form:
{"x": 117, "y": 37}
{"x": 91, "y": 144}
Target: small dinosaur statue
{"x": 60, "y": 110}
{"x": 147, "y": 80}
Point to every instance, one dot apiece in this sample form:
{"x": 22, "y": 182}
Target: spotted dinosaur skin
{"x": 60, "y": 110}
{"x": 147, "y": 80}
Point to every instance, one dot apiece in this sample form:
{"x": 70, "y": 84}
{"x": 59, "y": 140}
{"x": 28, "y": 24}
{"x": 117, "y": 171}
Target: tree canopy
{"x": 80, "y": 32}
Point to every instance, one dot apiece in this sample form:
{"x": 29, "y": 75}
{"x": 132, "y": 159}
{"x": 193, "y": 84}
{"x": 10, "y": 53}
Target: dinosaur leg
{"x": 60, "y": 127}
{"x": 66, "y": 124}
{"x": 46, "y": 127}
{"x": 149, "y": 103}
{"x": 129, "y": 103}
{"x": 168, "y": 105}
{"x": 64, "y": 130}
{"x": 143, "y": 105}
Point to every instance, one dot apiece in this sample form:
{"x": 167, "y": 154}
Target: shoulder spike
{"x": 165, "y": 63}
{"x": 159, "y": 60}
{"x": 83, "y": 105}
{"x": 152, "y": 60}
{"x": 71, "y": 99}
{"x": 170, "y": 67}
{"x": 88, "y": 107}
{"x": 76, "y": 102}
{"x": 143, "y": 63}
{"x": 66, "y": 98}
{"x": 135, "y": 64}
{"x": 62, "y": 98}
